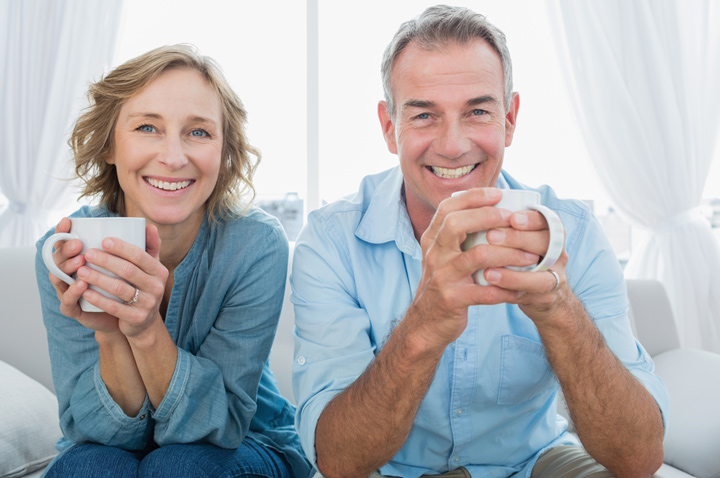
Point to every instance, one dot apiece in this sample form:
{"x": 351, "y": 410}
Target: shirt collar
{"x": 386, "y": 218}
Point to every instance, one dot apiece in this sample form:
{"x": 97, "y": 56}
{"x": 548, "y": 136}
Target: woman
{"x": 173, "y": 382}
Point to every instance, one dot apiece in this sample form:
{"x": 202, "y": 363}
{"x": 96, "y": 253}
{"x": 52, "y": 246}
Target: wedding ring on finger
{"x": 557, "y": 280}
{"x": 135, "y": 298}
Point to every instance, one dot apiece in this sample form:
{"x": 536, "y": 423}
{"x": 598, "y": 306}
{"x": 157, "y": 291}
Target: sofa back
{"x": 23, "y": 341}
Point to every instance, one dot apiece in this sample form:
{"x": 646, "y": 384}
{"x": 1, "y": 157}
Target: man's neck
{"x": 420, "y": 216}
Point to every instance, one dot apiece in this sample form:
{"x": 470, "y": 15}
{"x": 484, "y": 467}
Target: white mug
{"x": 91, "y": 231}
{"x": 521, "y": 200}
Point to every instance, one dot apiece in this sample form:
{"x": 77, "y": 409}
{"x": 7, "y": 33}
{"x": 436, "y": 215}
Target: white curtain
{"x": 49, "y": 53}
{"x": 644, "y": 76}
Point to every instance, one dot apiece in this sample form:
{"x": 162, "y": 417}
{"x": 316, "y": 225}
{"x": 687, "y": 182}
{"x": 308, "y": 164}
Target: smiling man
{"x": 405, "y": 366}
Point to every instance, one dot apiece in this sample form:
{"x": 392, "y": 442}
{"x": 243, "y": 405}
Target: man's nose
{"x": 173, "y": 153}
{"x": 453, "y": 141}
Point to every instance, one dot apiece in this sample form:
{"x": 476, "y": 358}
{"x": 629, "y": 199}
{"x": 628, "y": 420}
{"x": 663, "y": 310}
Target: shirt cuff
{"x": 176, "y": 390}
{"x": 113, "y": 409}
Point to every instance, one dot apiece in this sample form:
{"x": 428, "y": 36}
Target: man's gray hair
{"x": 437, "y": 27}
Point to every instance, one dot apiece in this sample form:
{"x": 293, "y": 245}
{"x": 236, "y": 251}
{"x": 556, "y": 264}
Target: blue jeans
{"x": 90, "y": 460}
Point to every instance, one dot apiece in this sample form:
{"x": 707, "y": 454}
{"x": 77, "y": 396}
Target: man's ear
{"x": 511, "y": 118}
{"x": 387, "y": 125}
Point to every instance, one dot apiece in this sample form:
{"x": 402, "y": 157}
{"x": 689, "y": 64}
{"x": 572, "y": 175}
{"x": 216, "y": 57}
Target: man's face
{"x": 450, "y": 127}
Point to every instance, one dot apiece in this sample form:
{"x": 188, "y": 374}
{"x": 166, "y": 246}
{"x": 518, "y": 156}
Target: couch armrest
{"x": 692, "y": 378}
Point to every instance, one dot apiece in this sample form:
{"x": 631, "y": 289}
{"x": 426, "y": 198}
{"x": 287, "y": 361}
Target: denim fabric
{"x": 250, "y": 460}
{"x": 492, "y": 404}
{"x": 222, "y": 314}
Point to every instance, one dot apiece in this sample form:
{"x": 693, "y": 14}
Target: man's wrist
{"x": 418, "y": 343}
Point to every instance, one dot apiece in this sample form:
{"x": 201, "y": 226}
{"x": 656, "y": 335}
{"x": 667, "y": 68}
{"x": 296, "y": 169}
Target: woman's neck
{"x": 176, "y": 241}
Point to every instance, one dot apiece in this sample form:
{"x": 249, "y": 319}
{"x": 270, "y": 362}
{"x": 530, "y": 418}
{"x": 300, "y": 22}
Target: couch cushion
{"x": 29, "y": 423}
{"x": 691, "y": 377}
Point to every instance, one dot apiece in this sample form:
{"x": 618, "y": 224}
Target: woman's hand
{"x": 68, "y": 258}
{"x": 141, "y": 271}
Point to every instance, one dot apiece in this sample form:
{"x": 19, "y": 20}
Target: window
{"x": 261, "y": 49}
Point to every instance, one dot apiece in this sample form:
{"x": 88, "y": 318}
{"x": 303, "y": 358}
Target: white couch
{"x": 28, "y": 411}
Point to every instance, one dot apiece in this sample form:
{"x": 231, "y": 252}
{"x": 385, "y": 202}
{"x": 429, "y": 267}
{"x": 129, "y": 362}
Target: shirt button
{"x": 456, "y": 459}
{"x": 142, "y": 417}
{"x": 301, "y": 360}
{"x": 459, "y": 411}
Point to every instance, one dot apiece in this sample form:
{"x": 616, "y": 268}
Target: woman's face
{"x": 168, "y": 148}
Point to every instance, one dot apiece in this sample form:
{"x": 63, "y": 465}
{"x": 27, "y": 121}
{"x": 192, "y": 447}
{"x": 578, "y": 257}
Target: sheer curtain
{"x": 49, "y": 52}
{"x": 644, "y": 76}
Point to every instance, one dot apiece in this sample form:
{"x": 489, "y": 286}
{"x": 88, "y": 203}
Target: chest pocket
{"x": 524, "y": 371}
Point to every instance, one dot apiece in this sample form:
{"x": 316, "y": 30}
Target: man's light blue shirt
{"x": 492, "y": 404}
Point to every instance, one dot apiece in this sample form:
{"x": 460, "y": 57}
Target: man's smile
{"x": 447, "y": 173}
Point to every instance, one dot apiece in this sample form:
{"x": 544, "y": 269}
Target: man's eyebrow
{"x": 481, "y": 100}
{"x": 418, "y": 104}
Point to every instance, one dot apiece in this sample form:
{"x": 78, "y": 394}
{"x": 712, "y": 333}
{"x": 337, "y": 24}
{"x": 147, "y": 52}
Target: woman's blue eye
{"x": 146, "y": 128}
{"x": 199, "y": 133}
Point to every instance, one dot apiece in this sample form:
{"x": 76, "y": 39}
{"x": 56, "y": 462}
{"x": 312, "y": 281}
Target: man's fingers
{"x": 484, "y": 256}
{"x": 532, "y": 241}
{"x": 528, "y": 221}
{"x": 530, "y": 282}
{"x": 472, "y": 199}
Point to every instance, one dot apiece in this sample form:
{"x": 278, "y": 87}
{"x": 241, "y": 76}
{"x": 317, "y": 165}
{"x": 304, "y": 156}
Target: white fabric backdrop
{"x": 644, "y": 76}
{"x": 49, "y": 52}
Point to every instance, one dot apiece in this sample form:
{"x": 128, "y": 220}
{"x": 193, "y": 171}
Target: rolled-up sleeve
{"x": 333, "y": 344}
{"x": 597, "y": 279}
{"x": 87, "y": 411}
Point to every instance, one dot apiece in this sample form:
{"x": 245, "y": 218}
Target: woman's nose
{"x": 173, "y": 154}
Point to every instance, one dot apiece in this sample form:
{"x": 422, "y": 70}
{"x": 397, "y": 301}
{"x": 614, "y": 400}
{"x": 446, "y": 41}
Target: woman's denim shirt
{"x": 222, "y": 314}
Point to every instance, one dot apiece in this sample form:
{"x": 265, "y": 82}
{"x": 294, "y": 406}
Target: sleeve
{"x": 212, "y": 396}
{"x": 333, "y": 344}
{"x": 86, "y": 409}
{"x": 596, "y": 278}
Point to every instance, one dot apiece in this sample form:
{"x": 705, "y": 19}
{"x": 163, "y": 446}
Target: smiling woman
{"x": 175, "y": 378}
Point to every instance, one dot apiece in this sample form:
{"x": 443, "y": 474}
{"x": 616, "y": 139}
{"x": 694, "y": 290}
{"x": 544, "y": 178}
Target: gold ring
{"x": 135, "y": 298}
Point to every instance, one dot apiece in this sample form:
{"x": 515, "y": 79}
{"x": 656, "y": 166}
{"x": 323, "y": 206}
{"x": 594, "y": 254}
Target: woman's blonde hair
{"x": 92, "y": 136}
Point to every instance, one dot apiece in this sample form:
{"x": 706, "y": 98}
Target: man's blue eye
{"x": 478, "y": 112}
{"x": 423, "y": 116}
{"x": 199, "y": 133}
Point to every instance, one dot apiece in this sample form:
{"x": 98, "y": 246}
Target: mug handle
{"x": 557, "y": 238}
{"x": 47, "y": 256}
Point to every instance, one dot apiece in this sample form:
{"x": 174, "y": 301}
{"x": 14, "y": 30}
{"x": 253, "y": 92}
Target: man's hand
{"x": 538, "y": 296}
{"x": 446, "y": 288}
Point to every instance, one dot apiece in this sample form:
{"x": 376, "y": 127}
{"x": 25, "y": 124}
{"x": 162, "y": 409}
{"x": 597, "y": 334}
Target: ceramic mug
{"x": 520, "y": 200}
{"x": 91, "y": 231}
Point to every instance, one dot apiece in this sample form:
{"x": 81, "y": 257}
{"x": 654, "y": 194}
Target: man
{"x": 404, "y": 366}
